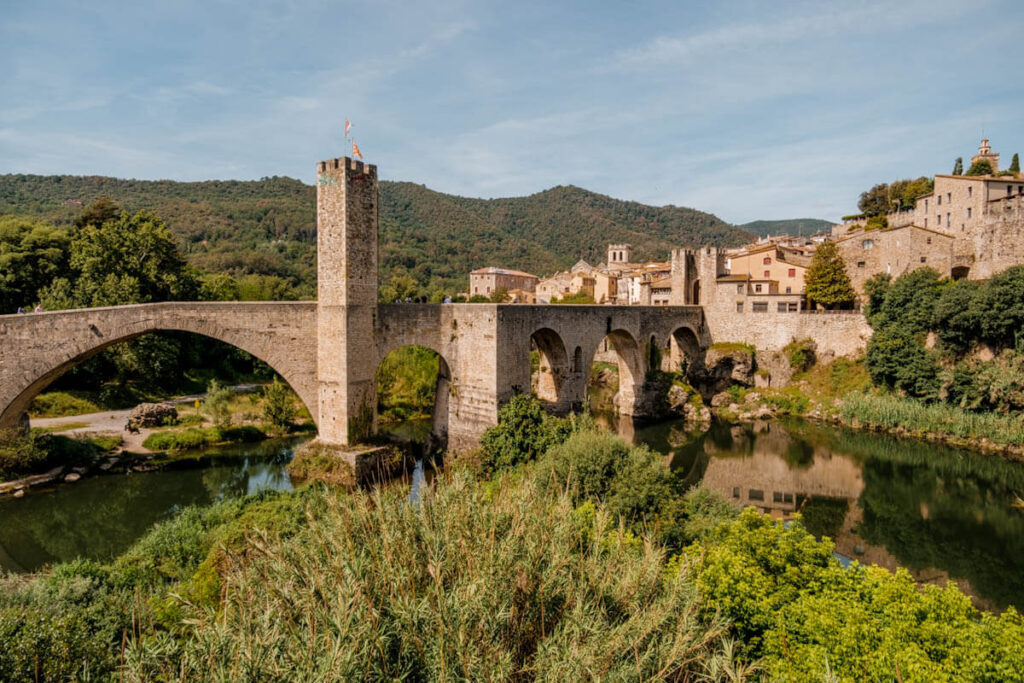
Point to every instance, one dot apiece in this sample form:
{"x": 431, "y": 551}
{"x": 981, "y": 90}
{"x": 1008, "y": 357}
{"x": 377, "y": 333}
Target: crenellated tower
{"x": 346, "y": 209}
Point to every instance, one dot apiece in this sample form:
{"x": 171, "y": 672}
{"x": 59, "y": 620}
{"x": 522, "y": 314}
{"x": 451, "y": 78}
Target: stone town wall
{"x": 839, "y": 333}
{"x": 37, "y": 348}
{"x": 997, "y": 241}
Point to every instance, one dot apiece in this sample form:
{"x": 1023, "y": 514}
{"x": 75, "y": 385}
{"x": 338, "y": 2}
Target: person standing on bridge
{"x": 21, "y": 310}
{"x": 39, "y": 308}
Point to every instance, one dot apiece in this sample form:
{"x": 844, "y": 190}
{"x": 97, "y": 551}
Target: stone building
{"x": 485, "y": 281}
{"x": 968, "y": 227}
{"x": 772, "y": 265}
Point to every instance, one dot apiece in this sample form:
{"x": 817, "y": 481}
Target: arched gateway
{"x": 328, "y": 350}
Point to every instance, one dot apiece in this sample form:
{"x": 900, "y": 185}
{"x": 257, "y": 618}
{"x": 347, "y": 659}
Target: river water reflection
{"x": 100, "y": 517}
{"x": 940, "y": 512}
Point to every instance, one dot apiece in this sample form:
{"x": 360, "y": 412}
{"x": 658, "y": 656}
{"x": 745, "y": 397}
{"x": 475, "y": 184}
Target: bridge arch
{"x": 685, "y": 354}
{"x": 441, "y": 385}
{"x": 554, "y": 366}
{"x": 631, "y": 369}
{"x": 39, "y": 348}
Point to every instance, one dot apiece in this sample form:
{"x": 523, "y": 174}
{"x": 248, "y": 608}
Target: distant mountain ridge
{"x": 268, "y": 226}
{"x": 791, "y": 226}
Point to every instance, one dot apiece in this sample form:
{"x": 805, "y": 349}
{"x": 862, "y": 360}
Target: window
{"x": 792, "y": 272}
{"x": 968, "y": 212}
{"x": 923, "y": 259}
{"x": 938, "y": 219}
{"x": 789, "y": 290}
{"x": 1020, "y": 189}
{"x": 867, "y": 244}
{"x": 949, "y": 197}
{"x": 926, "y": 205}
{"x": 735, "y": 491}
{"x": 777, "y": 497}
{"x": 939, "y": 199}
{"x": 757, "y": 288}
{"x": 787, "y": 497}
{"x": 947, "y": 220}
{"x": 488, "y": 290}
{"x": 755, "y": 494}
{"x": 861, "y": 264}
{"x": 767, "y": 260}
{"x": 794, "y": 307}
{"x": 1009, "y": 190}
{"x": 760, "y": 307}
{"x": 970, "y": 191}
{"x": 739, "y": 289}
{"x": 739, "y": 306}
{"x": 926, "y": 222}
{"x": 928, "y": 241}
{"x": 782, "y": 307}
{"x": 767, "y": 274}
{"x": 476, "y": 290}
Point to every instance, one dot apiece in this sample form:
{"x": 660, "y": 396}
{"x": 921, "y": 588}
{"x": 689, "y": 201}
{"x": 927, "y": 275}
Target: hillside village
{"x": 969, "y": 227}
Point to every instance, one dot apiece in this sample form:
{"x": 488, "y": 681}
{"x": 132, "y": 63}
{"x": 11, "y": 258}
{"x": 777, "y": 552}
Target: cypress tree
{"x": 1015, "y": 164}
{"x": 826, "y": 281}
{"x": 958, "y": 167}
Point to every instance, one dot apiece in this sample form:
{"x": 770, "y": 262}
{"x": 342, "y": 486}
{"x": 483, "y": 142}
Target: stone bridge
{"x": 329, "y": 350}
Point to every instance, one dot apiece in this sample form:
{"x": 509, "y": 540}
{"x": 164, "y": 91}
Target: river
{"x": 939, "y": 512}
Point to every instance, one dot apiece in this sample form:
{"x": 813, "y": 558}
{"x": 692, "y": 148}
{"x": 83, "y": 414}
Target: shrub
{"x": 217, "y": 404}
{"x": 897, "y": 360}
{"x": 278, "y": 404}
{"x": 61, "y": 404}
{"x": 909, "y": 302}
{"x": 801, "y": 354}
{"x": 957, "y": 316}
{"x": 523, "y": 432}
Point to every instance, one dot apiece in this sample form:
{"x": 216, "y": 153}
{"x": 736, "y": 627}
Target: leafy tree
{"x": 97, "y": 213}
{"x": 905, "y": 193}
{"x": 399, "y": 288}
{"x": 826, "y": 281}
{"x": 1001, "y": 307}
{"x": 500, "y": 296}
{"x": 958, "y": 167}
{"x": 479, "y": 299}
{"x": 216, "y": 404}
{"x": 909, "y": 302}
{"x": 524, "y": 431}
{"x": 278, "y": 406}
{"x": 980, "y": 167}
{"x": 875, "y": 289}
{"x": 875, "y": 201}
{"x": 218, "y": 287}
{"x": 32, "y": 254}
{"x": 957, "y": 315}
{"x": 1015, "y": 164}
{"x": 577, "y": 298}
{"x": 898, "y": 360}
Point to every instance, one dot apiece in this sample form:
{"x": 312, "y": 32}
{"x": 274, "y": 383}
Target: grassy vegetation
{"x": 586, "y": 561}
{"x": 66, "y": 427}
{"x": 892, "y": 412}
{"x": 25, "y": 454}
{"x": 315, "y": 462}
{"x": 62, "y": 404}
{"x": 733, "y": 347}
{"x": 198, "y": 437}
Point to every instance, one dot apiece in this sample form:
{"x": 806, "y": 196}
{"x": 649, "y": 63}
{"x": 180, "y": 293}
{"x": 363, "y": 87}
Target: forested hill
{"x": 793, "y": 226}
{"x": 269, "y": 226}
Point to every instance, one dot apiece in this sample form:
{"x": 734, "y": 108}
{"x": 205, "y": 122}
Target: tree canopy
{"x": 958, "y": 167}
{"x": 32, "y": 253}
{"x": 1015, "y": 164}
{"x": 898, "y": 195}
{"x": 826, "y": 281}
{"x": 980, "y": 167}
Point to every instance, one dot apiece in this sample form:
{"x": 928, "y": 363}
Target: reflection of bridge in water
{"x": 329, "y": 350}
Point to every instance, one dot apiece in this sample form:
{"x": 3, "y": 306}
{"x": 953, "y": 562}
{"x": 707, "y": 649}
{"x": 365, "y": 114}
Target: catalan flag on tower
{"x": 355, "y": 150}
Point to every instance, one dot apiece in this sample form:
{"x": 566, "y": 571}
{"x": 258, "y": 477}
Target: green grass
{"x": 733, "y": 347}
{"x": 194, "y": 437}
{"x": 62, "y": 404}
{"x": 67, "y": 427}
{"x": 892, "y": 412}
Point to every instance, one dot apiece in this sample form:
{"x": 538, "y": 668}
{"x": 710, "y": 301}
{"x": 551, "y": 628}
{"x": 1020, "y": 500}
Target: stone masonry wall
{"x": 37, "y": 348}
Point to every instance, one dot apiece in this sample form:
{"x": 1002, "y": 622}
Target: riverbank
{"x": 840, "y": 393}
{"x": 488, "y": 560}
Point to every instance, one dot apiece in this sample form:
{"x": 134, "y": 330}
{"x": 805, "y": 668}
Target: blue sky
{"x": 747, "y": 109}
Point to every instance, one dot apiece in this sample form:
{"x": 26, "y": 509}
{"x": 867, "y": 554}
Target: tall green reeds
{"x": 482, "y": 581}
{"x": 890, "y": 412}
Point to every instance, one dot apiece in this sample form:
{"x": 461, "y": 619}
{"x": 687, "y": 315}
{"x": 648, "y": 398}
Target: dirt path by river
{"x": 112, "y": 422}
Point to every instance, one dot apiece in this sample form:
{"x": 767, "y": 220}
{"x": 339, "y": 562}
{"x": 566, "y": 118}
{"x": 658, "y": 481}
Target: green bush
{"x": 898, "y": 360}
{"x": 195, "y": 437}
{"x": 801, "y": 354}
{"x": 791, "y": 603}
{"x": 217, "y": 404}
{"x": 524, "y": 431}
{"x": 278, "y": 404}
{"x": 22, "y": 454}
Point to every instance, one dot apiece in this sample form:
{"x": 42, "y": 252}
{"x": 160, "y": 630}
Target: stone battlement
{"x": 347, "y": 162}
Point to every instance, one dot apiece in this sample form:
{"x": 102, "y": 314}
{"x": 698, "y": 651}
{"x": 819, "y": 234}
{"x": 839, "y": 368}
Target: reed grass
{"x": 892, "y": 412}
{"x": 481, "y": 581}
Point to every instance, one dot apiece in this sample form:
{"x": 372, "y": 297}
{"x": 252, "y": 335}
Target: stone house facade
{"x": 485, "y": 281}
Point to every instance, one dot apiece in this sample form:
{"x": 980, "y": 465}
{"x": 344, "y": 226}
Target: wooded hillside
{"x": 269, "y": 226}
